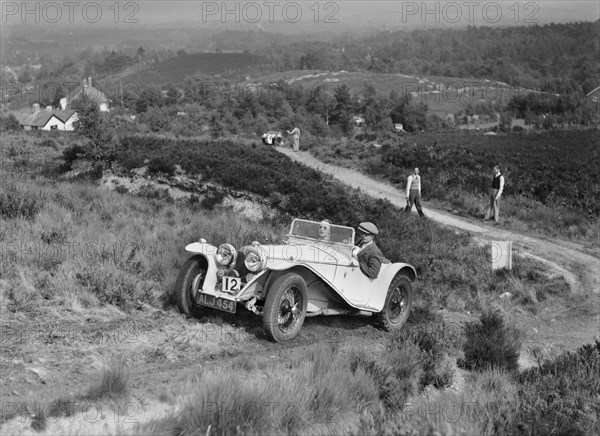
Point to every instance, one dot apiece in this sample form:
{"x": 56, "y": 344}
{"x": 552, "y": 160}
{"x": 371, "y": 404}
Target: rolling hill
{"x": 443, "y": 95}
{"x": 176, "y": 69}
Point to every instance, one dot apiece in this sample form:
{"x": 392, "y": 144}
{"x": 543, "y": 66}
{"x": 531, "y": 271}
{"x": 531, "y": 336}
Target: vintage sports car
{"x": 308, "y": 275}
{"x": 272, "y": 138}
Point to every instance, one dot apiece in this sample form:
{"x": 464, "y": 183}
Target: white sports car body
{"x": 305, "y": 276}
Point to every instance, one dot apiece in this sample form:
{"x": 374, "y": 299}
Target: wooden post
{"x": 501, "y": 255}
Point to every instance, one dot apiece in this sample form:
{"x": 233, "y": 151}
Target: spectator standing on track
{"x": 296, "y": 138}
{"x": 495, "y": 193}
{"x": 413, "y": 192}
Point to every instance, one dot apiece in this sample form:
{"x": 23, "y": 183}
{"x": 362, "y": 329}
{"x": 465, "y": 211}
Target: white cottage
{"x": 50, "y": 119}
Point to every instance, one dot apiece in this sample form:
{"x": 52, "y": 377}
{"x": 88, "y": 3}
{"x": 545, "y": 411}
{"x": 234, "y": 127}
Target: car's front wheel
{"x": 397, "y": 304}
{"x": 285, "y": 307}
{"x": 189, "y": 281}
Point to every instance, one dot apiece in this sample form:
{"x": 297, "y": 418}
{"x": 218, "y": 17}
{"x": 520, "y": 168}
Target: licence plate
{"x": 217, "y": 303}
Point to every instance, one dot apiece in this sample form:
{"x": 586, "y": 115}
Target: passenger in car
{"x": 325, "y": 230}
{"x": 368, "y": 254}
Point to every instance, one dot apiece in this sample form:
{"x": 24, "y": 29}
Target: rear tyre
{"x": 285, "y": 307}
{"x": 189, "y": 281}
{"x": 398, "y": 303}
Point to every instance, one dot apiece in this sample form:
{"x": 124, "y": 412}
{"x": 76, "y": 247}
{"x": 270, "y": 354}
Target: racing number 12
{"x": 231, "y": 284}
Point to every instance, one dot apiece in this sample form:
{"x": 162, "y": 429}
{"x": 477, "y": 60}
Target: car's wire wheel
{"x": 285, "y": 307}
{"x": 290, "y": 309}
{"x": 398, "y": 303}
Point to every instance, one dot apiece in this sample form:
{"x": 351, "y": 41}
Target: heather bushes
{"x": 492, "y": 342}
{"x": 17, "y": 201}
{"x": 560, "y": 396}
{"x": 542, "y": 191}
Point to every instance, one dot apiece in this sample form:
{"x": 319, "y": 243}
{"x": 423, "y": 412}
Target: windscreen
{"x": 319, "y": 231}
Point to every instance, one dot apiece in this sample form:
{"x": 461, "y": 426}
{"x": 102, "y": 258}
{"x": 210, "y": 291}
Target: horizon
{"x": 295, "y": 17}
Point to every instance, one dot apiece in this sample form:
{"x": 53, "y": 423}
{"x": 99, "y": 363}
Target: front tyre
{"x": 189, "y": 281}
{"x": 398, "y": 303}
{"x": 285, "y": 307}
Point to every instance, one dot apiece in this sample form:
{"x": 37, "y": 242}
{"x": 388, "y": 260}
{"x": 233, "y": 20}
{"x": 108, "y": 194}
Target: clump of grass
{"x": 317, "y": 392}
{"x": 434, "y": 339}
{"x": 560, "y": 396}
{"x": 113, "y": 384}
{"x": 492, "y": 343}
{"x": 395, "y": 374}
{"x": 17, "y": 201}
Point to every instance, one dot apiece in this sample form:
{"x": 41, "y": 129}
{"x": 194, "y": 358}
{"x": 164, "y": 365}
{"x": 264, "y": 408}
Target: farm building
{"x": 85, "y": 91}
{"x": 49, "y": 119}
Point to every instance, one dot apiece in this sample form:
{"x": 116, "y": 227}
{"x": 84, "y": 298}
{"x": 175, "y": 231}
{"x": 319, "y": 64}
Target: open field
{"x": 443, "y": 95}
{"x": 87, "y": 277}
{"x": 175, "y": 70}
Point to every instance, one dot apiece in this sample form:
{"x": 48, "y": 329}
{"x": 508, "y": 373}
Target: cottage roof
{"x": 91, "y": 92}
{"x": 39, "y": 119}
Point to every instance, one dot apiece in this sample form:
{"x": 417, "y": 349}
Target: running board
{"x": 328, "y": 312}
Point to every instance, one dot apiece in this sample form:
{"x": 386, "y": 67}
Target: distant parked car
{"x": 304, "y": 276}
{"x": 272, "y": 138}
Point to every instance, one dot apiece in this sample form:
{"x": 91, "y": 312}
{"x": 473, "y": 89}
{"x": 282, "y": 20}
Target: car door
{"x": 354, "y": 286}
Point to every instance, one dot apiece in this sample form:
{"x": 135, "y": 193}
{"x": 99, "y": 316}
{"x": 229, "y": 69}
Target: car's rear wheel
{"x": 189, "y": 281}
{"x": 285, "y": 307}
{"x": 398, "y": 303}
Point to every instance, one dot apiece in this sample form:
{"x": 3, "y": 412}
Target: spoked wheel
{"x": 285, "y": 307}
{"x": 190, "y": 280}
{"x": 398, "y": 303}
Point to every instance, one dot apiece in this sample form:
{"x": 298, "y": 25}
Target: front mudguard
{"x": 208, "y": 251}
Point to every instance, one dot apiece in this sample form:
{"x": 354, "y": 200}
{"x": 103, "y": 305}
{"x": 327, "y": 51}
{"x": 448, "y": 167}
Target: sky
{"x": 299, "y": 14}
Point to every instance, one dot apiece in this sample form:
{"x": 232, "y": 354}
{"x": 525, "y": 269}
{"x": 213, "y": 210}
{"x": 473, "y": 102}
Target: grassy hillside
{"x": 73, "y": 250}
{"x": 175, "y": 70}
{"x": 443, "y": 95}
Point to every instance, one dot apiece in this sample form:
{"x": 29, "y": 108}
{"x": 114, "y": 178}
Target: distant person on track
{"x": 413, "y": 192}
{"x": 295, "y": 138}
{"x": 495, "y": 193}
{"x": 369, "y": 256}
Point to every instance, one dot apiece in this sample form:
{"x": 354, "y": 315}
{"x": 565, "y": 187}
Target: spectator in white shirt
{"x": 413, "y": 192}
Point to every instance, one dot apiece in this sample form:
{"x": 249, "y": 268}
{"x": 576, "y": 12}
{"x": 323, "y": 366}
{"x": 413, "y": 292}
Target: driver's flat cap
{"x": 368, "y": 228}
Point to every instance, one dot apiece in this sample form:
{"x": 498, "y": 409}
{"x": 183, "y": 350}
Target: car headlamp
{"x": 226, "y": 254}
{"x": 254, "y": 260}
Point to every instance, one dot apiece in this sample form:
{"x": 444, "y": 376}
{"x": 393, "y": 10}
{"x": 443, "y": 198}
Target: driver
{"x": 368, "y": 254}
